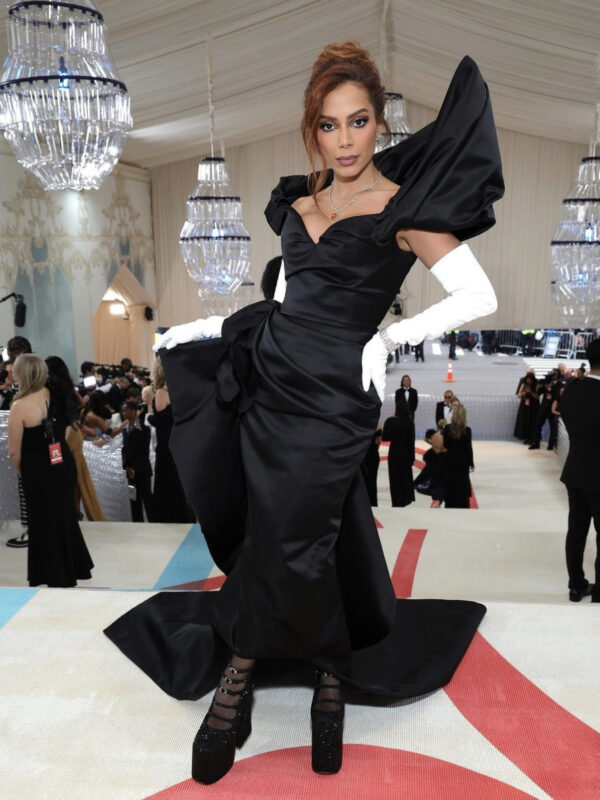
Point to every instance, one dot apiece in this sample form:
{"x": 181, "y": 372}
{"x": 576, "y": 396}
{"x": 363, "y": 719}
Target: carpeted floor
{"x": 520, "y": 718}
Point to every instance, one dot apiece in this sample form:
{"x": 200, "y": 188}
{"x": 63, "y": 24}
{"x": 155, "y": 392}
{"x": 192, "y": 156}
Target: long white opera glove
{"x": 471, "y": 296}
{"x": 209, "y": 328}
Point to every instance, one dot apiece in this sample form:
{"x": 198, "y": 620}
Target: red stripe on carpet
{"x": 377, "y": 523}
{"x": 472, "y": 499}
{"x": 552, "y": 746}
{"x": 418, "y": 450}
{"x": 203, "y": 585}
{"x": 405, "y": 567}
{"x": 369, "y": 773}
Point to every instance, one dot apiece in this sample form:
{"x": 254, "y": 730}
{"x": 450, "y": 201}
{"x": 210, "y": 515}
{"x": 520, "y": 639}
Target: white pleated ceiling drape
{"x": 538, "y": 57}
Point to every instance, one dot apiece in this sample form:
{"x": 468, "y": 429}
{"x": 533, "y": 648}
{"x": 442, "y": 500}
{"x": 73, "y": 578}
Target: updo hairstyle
{"x": 337, "y": 64}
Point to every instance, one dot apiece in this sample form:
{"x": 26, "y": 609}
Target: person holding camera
{"x": 547, "y": 393}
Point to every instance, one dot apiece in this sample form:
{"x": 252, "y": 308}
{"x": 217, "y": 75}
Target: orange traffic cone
{"x": 450, "y": 376}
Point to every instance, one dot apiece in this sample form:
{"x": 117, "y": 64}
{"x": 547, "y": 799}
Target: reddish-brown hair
{"x": 337, "y": 64}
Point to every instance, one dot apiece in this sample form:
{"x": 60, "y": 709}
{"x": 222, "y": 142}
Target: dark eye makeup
{"x": 359, "y": 122}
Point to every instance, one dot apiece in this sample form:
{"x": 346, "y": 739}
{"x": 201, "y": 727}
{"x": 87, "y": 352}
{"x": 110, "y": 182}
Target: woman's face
{"x": 347, "y": 130}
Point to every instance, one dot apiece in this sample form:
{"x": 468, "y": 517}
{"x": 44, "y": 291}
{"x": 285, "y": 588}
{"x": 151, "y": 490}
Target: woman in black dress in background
{"x": 273, "y": 419}
{"x": 527, "y": 412}
{"x": 39, "y": 418}
{"x": 399, "y": 431}
{"x": 459, "y": 458}
{"x": 170, "y": 504}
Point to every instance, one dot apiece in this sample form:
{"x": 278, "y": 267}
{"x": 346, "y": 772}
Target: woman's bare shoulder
{"x": 304, "y": 205}
{"x": 388, "y": 186}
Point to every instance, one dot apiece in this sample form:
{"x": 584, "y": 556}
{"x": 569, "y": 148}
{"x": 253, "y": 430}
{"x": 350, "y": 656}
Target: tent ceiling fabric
{"x": 537, "y": 56}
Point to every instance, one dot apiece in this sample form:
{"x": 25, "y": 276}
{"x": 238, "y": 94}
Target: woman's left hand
{"x": 374, "y": 361}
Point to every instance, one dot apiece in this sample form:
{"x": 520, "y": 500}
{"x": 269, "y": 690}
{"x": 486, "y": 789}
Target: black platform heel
{"x": 213, "y": 751}
{"x": 327, "y": 717}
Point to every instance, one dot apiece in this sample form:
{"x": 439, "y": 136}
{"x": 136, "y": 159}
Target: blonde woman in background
{"x": 37, "y": 429}
{"x": 458, "y": 443}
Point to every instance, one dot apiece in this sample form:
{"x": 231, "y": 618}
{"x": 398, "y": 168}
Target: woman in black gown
{"x": 527, "y": 412}
{"x": 273, "y": 419}
{"x": 399, "y": 431}
{"x": 459, "y": 458}
{"x": 38, "y": 420}
{"x": 170, "y": 504}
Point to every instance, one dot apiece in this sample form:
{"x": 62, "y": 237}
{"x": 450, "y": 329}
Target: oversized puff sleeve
{"x": 450, "y": 172}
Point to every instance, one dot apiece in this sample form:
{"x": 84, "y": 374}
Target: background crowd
{"x": 538, "y": 404}
{"x": 50, "y": 418}
{"x": 124, "y": 406}
{"x": 447, "y": 462}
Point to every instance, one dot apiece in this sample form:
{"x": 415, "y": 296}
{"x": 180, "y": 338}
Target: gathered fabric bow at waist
{"x": 236, "y": 375}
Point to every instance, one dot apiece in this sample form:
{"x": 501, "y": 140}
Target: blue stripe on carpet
{"x": 12, "y": 601}
{"x": 191, "y": 562}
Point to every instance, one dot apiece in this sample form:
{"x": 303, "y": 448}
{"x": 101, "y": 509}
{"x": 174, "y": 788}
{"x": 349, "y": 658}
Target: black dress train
{"x": 279, "y": 425}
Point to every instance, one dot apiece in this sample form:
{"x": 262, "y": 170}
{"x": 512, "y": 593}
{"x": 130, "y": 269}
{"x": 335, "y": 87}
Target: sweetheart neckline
{"x": 333, "y": 224}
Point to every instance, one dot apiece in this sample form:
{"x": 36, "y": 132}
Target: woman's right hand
{"x": 190, "y": 332}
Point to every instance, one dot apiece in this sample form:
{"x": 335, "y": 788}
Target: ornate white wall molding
{"x": 62, "y": 249}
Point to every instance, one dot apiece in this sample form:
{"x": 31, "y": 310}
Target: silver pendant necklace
{"x": 337, "y": 210}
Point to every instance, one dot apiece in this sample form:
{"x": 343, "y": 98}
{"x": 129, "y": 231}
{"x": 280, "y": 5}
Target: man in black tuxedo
{"x": 408, "y": 396}
{"x": 443, "y": 409}
{"x": 136, "y": 461}
{"x": 579, "y": 407}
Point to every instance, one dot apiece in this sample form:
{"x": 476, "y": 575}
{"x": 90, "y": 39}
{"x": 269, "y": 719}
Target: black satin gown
{"x": 57, "y": 554}
{"x": 271, "y": 427}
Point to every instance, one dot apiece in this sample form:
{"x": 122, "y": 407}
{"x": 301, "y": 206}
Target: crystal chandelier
{"x": 63, "y": 109}
{"x": 395, "y": 114}
{"x": 214, "y": 243}
{"x": 575, "y": 249}
{"x": 395, "y": 107}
